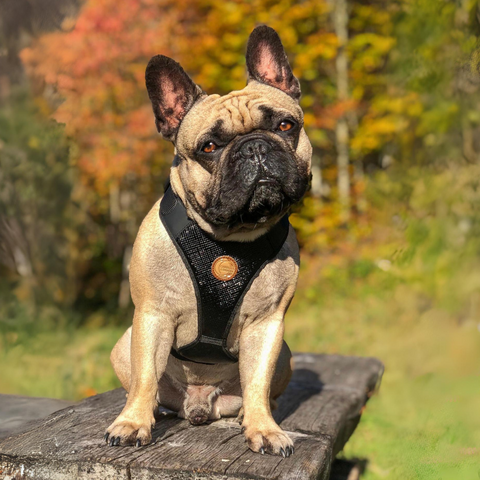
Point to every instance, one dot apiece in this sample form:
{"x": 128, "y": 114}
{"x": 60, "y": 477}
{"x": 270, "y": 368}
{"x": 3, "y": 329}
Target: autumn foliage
{"x": 97, "y": 67}
{"x": 406, "y": 104}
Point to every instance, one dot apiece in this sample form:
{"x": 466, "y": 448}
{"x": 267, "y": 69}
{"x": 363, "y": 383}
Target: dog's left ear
{"x": 267, "y": 61}
{"x": 172, "y": 93}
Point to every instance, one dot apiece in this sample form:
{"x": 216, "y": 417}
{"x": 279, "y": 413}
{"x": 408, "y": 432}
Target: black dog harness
{"x": 221, "y": 273}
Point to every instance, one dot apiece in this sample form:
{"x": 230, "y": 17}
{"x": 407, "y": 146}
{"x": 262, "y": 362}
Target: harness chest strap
{"x": 221, "y": 274}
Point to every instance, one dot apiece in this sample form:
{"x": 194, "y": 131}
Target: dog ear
{"x": 267, "y": 61}
{"x": 172, "y": 93}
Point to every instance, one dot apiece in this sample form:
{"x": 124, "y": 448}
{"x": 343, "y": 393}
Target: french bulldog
{"x": 241, "y": 161}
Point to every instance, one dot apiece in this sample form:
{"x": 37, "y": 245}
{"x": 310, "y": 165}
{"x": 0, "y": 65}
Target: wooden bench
{"x": 320, "y": 409}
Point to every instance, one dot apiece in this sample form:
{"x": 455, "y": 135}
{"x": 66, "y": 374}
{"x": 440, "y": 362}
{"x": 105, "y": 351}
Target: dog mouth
{"x": 267, "y": 181}
{"x": 266, "y": 202}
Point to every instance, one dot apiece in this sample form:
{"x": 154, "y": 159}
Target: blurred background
{"x": 390, "y": 231}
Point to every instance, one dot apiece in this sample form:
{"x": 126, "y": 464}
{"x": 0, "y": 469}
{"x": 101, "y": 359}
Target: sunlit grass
{"x": 61, "y": 363}
{"x": 424, "y": 422}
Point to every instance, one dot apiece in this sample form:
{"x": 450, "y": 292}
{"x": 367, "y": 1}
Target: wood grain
{"x": 320, "y": 408}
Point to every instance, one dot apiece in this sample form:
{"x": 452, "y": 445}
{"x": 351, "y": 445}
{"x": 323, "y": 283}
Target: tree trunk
{"x": 317, "y": 183}
{"x": 340, "y": 14}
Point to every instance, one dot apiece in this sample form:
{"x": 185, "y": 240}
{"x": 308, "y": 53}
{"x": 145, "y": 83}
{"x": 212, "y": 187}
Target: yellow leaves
{"x": 307, "y": 101}
{"x": 319, "y": 226}
{"x": 368, "y": 50}
{"x": 378, "y": 44}
{"x": 387, "y": 116}
{"x": 34, "y": 142}
{"x": 357, "y": 92}
{"x": 320, "y": 46}
{"x": 365, "y": 17}
{"x": 372, "y": 132}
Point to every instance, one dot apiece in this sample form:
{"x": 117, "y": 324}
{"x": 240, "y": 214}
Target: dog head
{"x": 242, "y": 159}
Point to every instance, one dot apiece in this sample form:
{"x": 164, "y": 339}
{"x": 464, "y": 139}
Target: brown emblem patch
{"x": 224, "y": 268}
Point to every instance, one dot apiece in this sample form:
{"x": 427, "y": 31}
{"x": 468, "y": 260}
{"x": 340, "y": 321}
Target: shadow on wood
{"x": 320, "y": 409}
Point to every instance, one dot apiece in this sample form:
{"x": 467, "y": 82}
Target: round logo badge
{"x": 224, "y": 268}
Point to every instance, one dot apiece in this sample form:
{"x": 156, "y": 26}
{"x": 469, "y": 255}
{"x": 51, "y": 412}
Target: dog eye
{"x": 285, "y": 126}
{"x": 209, "y": 147}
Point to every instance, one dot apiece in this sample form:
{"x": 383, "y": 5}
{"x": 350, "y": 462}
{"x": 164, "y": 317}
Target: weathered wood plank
{"x": 320, "y": 408}
{"x": 17, "y": 410}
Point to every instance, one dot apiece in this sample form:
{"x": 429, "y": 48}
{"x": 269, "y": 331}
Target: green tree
{"x": 37, "y": 214}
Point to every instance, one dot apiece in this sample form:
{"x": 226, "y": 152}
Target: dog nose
{"x": 255, "y": 149}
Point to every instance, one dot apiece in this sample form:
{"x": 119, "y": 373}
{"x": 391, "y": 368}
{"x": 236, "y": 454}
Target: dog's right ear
{"x": 172, "y": 93}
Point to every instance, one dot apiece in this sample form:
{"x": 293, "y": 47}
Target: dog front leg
{"x": 152, "y": 339}
{"x": 260, "y": 346}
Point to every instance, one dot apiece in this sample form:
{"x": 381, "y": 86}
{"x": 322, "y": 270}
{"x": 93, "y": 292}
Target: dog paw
{"x": 270, "y": 440}
{"x": 240, "y": 416}
{"x": 128, "y": 432}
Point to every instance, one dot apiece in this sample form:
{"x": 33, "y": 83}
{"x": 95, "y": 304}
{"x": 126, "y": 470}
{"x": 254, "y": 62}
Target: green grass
{"x": 62, "y": 363}
{"x": 424, "y": 423}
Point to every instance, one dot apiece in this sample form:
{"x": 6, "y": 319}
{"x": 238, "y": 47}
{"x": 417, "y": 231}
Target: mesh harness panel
{"x": 217, "y": 301}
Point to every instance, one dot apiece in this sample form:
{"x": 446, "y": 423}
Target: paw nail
{"x": 282, "y": 452}
{"x": 262, "y": 451}
{"x": 117, "y": 441}
{"x": 105, "y": 437}
{"x": 293, "y": 450}
{"x": 243, "y": 429}
{"x": 287, "y": 452}
{"x": 111, "y": 441}
{"x": 138, "y": 443}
